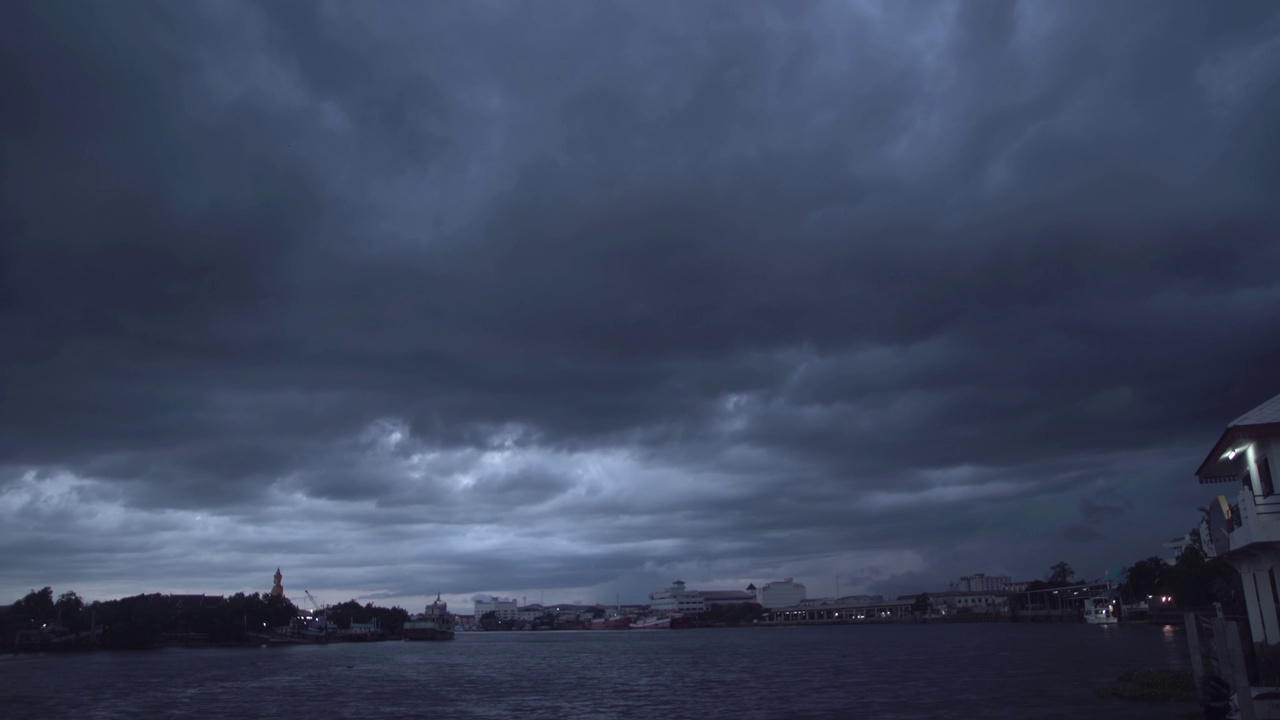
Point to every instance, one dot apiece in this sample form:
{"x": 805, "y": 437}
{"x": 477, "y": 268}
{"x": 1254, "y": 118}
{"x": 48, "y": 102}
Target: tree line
{"x": 143, "y": 621}
{"x": 1194, "y": 582}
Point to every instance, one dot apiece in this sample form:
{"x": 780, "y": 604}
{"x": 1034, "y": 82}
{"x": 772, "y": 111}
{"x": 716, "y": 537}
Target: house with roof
{"x": 1244, "y": 528}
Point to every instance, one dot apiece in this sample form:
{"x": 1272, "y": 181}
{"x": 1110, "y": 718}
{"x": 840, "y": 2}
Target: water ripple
{"x": 893, "y": 672}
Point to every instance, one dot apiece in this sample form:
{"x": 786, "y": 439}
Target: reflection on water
{"x": 892, "y": 671}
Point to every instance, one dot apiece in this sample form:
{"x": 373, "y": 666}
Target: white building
{"x": 502, "y": 609}
{"x": 780, "y": 594}
{"x": 978, "y": 582}
{"x": 1247, "y": 533}
{"x": 677, "y": 599}
{"x": 529, "y": 613}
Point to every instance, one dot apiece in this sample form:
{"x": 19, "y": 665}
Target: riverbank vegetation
{"x": 1194, "y": 582}
{"x": 38, "y": 620}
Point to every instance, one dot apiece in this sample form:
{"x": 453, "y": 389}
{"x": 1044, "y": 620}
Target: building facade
{"x": 981, "y": 603}
{"x": 677, "y": 599}
{"x": 502, "y": 609}
{"x": 780, "y": 594}
{"x": 1246, "y": 533}
{"x": 529, "y": 613}
{"x": 980, "y": 582}
{"x": 712, "y": 598}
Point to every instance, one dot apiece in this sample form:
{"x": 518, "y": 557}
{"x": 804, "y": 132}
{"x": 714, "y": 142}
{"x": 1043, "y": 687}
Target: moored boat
{"x": 612, "y": 623}
{"x": 652, "y": 623}
{"x": 1100, "y": 611}
{"x": 670, "y": 621}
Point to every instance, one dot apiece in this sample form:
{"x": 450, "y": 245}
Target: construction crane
{"x": 315, "y": 604}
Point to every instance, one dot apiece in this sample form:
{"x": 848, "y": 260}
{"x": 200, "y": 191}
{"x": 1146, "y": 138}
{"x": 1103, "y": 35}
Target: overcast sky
{"x": 572, "y": 299}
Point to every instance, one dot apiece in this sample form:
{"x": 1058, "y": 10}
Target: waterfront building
{"x": 712, "y": 598}
{"x": 882, "y": 611}
{"x": 529, "y": 613}
{"x": 677, "y": 598}
{"x": 781, "y": 594}
{"x": 502, "y": 609}
{"x": 1246, "y": 533}
{"x": 843, "y": 600}
{"x": 981, "y": 603}
{"x": 980, "y": 582}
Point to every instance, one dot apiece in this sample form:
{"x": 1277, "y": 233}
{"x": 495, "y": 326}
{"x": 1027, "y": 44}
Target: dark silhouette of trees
{"x": 37, "y": 608}
{"x": 69, "y": 612}
{"x": 1060, "y": 574}
{"x": 1144, "y": 579}
{"x": 1194, "y": 582}
{"x": 921, "y": 605}
{"x": 390, "y": 620}
{"x": 490, "y": 621}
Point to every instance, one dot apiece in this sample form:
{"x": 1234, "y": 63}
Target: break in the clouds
{"x": 573, "y": 299}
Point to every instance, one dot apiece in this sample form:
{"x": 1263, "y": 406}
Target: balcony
{"x": 1241, "y": 527}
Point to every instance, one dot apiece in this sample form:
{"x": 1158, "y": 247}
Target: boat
{"x": 1100, "y": 610}
{"x": 311, "y": 626}
{"x": 670, "y": 621}
{"x": 620, "y": 622}
{"x": 652, "y": 623}
{"x": 437, "y": 623}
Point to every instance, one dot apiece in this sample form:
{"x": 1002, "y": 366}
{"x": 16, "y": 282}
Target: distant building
{"x": 677, "y": 599}
{"x": 780, "y": 594}
{"x": 844, "y": 600}
{"x": 712, "y": 598}
{"x": 529, "y": 613}
{"x": 979, "y": 582}
{"x": 993, "y": 602}
{"x": 502, "y": 609}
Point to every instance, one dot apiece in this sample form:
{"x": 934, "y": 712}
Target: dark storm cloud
{"x": 618, "y": 290}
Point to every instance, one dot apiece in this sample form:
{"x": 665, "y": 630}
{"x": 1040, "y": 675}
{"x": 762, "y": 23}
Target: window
{"x": 1264, "y": 478}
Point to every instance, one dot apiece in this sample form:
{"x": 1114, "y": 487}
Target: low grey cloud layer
{"x": 509, "y": 297}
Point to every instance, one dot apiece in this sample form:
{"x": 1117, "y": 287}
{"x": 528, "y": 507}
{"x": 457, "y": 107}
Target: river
{"x": 895, "y": 672}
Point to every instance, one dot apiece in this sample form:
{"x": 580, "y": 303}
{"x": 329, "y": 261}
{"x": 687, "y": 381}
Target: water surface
{"x": 886, "y": 671}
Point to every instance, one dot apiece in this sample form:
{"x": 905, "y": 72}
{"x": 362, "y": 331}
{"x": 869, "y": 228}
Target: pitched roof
{"x": 1222, "y": 465}
{"x": 1267, "y": 412}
